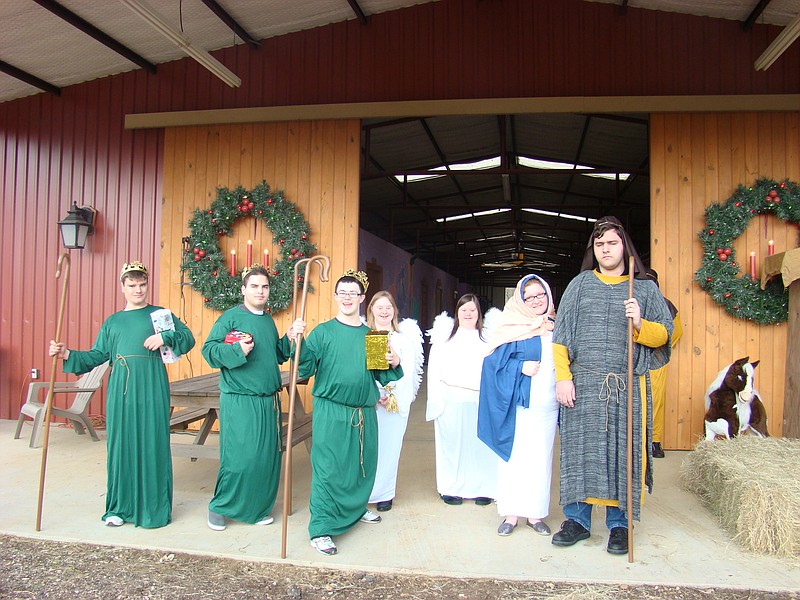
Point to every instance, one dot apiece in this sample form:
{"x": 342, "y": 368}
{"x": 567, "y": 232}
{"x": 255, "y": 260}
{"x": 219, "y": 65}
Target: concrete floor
{"x": 678, "y": 541}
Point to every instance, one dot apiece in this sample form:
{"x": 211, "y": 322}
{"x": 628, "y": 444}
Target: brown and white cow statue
{"x": 733, "y": 406}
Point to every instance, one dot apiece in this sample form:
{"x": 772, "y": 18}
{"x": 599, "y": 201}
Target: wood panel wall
{"x": 315, "y": 163}
{"x": 697, "y": 159}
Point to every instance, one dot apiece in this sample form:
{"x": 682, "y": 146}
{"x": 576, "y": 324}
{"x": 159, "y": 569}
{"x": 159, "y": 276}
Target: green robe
{"x": 249, "y": 414}
{"x": 344, "y": 455}
{"x": 139, "y": 463}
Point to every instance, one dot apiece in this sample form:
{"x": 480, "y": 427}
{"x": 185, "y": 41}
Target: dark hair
{"x": 348, "y": 279}
{"x": 257, "y": 270}
{"x": 605, "y": 225}
{"x": 461, "y": 302}
{"x": 134, "y": 276}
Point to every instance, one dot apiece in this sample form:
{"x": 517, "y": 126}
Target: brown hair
{"x": 255, "y": 270}
{"x": 371, "y": 318}
{"x": 461, "y": 302}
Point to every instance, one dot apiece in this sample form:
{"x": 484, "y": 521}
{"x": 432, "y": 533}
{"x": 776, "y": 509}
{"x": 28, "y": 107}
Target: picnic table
{"x": 197, "y": 398}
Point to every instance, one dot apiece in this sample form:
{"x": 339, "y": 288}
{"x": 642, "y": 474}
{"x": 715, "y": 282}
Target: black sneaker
{"x": 571, "y": 532}
{"x": 658, "y": 451}
{"x": 483, "y": 501}
{"x": 618, "y": 541}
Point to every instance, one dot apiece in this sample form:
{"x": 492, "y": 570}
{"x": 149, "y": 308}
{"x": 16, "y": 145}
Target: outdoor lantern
{"x": 78, "y": 223}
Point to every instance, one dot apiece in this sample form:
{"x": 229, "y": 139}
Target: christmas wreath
{"x": 206, "y": 265}
{"x": 719, "y": 273}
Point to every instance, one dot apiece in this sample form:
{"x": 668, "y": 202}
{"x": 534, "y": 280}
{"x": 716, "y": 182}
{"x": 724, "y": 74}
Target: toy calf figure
{"x": 733, "y": 406}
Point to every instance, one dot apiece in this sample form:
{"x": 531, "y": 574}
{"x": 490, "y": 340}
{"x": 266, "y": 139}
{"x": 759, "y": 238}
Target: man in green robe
{"x": 344, "y": 456}
{"x": 244, "y": 345}
{"x": 590, "y": 353}
{"x": 139, "y": 463}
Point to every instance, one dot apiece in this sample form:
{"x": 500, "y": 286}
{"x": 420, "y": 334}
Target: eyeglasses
{"x": 530, "y": 299}
{"x": 346, "y": 295}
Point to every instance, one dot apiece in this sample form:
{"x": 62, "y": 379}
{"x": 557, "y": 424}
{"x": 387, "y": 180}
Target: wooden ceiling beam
{"x": 748, "y": 23}
{"x": 226, "y": 18}
{"x": 26, "y": 77}
{"x": 362, "y": 18}
{"x": 93, "y": 32}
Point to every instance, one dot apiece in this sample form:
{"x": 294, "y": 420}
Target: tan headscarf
{"x": 518, "y": 320}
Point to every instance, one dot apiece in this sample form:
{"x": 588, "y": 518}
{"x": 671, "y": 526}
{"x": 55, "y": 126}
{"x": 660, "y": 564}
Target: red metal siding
{"x": 54, "y": 150}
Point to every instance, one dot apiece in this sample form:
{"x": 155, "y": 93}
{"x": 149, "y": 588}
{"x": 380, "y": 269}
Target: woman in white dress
{"x": 465, "y": 467}
{"x": 518, "y": 410}
{"x": 405, "y": 339}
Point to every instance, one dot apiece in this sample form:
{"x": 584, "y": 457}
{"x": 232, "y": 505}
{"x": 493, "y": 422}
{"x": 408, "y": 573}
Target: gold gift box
{"x": 377, "y": 347}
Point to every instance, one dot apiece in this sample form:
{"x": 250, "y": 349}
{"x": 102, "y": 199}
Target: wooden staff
{"x": 630, "y": 416}
{"x": 63, "y": 263}
{"x": 324, "y": 267}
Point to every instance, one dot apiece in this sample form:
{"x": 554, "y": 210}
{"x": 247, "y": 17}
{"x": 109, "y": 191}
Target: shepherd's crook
{"x": 48, "y": 405}
{"x": 324, "y": 267}
{"x": 630, "y": 416}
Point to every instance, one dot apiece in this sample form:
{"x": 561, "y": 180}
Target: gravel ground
{"x": 44, "y": 569}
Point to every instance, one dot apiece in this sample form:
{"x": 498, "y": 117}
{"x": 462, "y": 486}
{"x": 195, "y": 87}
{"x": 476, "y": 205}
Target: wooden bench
{"x": 198, "y": 398}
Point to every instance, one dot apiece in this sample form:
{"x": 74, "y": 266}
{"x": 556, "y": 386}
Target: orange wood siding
{"x": 314, "y": 163}
{"x": 697, "y": 159}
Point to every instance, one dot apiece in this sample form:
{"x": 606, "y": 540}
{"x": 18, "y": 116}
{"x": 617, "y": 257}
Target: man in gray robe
{"x": 590, "y": 351}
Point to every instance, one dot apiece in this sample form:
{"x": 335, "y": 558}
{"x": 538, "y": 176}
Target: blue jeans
{"x": 581, "y": 512}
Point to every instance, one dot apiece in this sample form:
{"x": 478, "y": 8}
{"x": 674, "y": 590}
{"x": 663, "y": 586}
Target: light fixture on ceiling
{"x": 177, "y": 38}
{"x": 779, "y": 45}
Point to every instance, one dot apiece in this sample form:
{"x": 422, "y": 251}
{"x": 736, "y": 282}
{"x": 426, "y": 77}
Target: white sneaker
{"x": 324, "y": 545}
{"x": 370, "y": 517}
{"x": 266, "y": 520}
{"x": 113, "y": 521}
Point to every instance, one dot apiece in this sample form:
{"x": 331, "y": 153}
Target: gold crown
{"x": 132, "y": 266}
{"x": 246, "y": 270}
{"x": 358, "y": 275}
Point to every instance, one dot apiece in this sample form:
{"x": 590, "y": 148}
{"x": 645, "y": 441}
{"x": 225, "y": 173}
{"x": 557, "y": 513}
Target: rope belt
{"x": 357, "y": 420}
{"x": 276, "y": 405}
{"x": 119, "y": 358}
{"x": 611, "y": 387}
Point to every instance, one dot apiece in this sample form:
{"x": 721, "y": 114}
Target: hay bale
{"x": 752, "y": 485}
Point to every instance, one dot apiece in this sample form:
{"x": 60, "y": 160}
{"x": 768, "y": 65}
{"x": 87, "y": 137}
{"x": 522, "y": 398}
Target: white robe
{"x": 523, "y": 483}
{"x": 407, "y": 343}
{"x": 465, "y": 466}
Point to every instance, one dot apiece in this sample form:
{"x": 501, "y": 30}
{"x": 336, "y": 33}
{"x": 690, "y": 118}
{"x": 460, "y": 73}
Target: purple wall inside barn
{"x": 414, "y": 286}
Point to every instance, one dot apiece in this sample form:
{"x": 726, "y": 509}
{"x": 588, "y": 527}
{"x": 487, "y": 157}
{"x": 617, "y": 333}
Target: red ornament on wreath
{"x": 741, "y": 296}
{"x": 206, "y": 262}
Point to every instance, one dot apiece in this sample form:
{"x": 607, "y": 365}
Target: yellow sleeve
{"x": 651, "y": 334}
{"x": 677, "y": 331}
{"x": 561, "y": 358}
